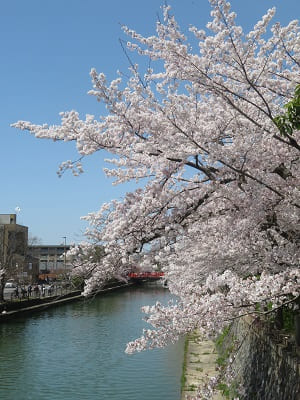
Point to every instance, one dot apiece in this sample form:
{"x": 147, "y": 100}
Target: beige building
{"x": 13, "y": 250}
{"x": 51, "y": 258}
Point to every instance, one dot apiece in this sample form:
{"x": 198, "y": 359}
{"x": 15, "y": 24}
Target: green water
{"x": 76, "y": 352}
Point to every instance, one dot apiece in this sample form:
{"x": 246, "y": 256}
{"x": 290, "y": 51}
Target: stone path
{"x": 200, "y": 361}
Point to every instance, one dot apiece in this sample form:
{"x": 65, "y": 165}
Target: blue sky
{"x": 48, "y": 49}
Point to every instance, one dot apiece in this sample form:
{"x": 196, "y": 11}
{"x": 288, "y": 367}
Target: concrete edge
{"x": 55, "y": 302}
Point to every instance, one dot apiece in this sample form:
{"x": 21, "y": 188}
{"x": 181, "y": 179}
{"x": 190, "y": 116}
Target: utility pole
{"x": 65, "y": 246}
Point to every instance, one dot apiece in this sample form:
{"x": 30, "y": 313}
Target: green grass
{"x": 221, "y": 338}
{"x": 183, "y": 375}
{"x": 224, "y": 350}
{"x": 221, "y": 361}
{"x": 191, "y": 388}
{"x": 288, "y": 320}
{"x": 224, "y": 389}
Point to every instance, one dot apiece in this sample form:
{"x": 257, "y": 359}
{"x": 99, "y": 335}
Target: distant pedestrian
{"x": 23, "y": 291}
{"x": 29, "y": 290}
{"x": 17, "y": 292}
{"x": 36, "y": 290}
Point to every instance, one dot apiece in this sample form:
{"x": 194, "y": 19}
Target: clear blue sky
{"x": 47, "y": 50}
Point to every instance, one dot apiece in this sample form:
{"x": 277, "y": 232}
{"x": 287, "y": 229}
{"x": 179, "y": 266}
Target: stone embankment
{"x": 11, "y": 310}
{"x": 265, "y": 362}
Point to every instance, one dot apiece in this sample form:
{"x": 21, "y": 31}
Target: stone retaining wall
{"x": 266, "y": 365}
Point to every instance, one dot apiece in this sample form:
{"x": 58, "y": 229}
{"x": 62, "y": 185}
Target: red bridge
{"x": 145, "y": 275}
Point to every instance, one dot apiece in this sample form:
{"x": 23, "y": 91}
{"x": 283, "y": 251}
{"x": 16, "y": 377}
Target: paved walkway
{"x": 200, "y": 361}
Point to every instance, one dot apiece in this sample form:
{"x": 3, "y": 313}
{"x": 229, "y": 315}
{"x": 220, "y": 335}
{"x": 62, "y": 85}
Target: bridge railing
{"x": 144, "y": 275}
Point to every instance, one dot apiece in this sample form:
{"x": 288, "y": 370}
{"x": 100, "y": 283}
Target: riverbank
{"x": 199, "y": 363}
{"x": 11, "y": 310}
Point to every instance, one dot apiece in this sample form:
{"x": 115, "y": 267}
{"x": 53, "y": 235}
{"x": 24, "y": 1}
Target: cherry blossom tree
{"x": 220, "y": 207}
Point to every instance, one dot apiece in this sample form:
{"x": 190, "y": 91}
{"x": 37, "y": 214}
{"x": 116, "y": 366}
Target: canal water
{"x": 76, "y": 352}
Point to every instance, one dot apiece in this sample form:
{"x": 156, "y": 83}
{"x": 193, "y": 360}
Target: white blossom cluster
{"x": 219, "y": 212}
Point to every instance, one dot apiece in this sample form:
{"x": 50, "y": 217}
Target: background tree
{"x": 34, "y": 240}
{"x": 12, "y": 256}
{"x": 289, "y": 122}
{"x": 5, "y": 263}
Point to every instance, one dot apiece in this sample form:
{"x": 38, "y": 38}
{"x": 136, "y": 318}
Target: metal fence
{"x": 36, "y": 292}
